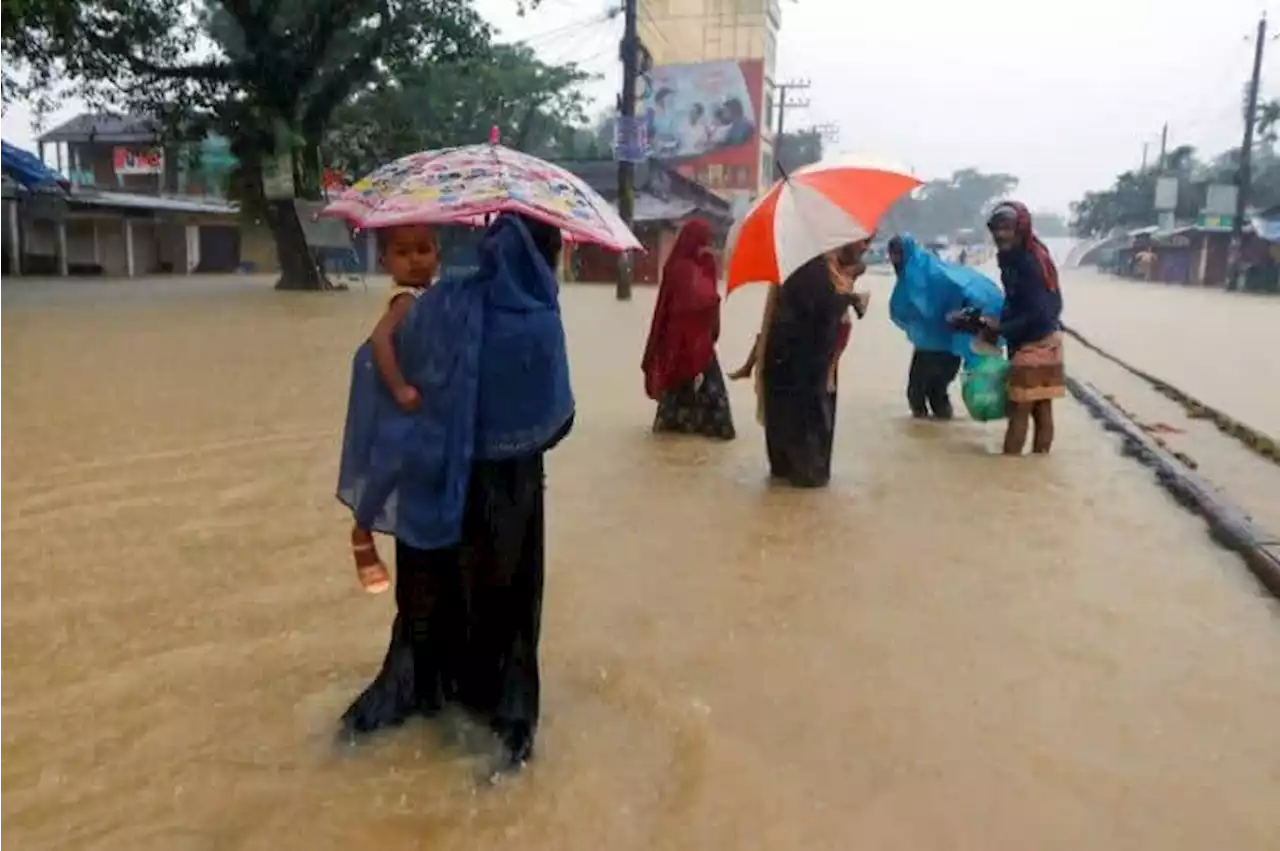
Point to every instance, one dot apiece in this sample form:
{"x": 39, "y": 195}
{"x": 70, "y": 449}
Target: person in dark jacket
{"x": 1030, "y": 324}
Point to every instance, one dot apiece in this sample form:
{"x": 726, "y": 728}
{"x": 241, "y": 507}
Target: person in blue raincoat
{"x": 927, "y": 290}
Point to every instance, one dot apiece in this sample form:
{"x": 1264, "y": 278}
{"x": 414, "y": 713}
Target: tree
{"x": 793, "y": 150}
{"x": 267, "y": 74}
{"x": 1130, "y": 201}
{"x": 943, "y": 207}
{"x": 29, "y": 30}
{"x": 1050, "y": 225}
{"x": 419, "y": 105}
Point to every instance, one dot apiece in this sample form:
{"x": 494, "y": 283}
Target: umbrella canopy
{"x": 28, "y": 169}
{"x": 813, "y": 210}
{"x": 464, "y": 185}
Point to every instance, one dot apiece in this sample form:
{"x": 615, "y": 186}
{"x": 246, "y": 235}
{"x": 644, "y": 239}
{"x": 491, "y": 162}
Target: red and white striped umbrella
{"x": 813, "y": 210}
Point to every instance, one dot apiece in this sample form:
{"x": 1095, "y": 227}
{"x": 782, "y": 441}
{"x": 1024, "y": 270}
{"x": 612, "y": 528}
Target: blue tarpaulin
{"x": 928, "y": 289}
{"x": 27, "y": 169}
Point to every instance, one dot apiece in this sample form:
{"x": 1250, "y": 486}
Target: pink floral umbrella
{"x": 464, "y": 185}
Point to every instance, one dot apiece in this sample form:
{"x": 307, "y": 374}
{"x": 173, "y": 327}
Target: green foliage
{"x": 259, "y": 71}
{"x": 1050, "y": 225}
{"x": 942, "y": 207}
{"x": 268, "y": 75}
{"x": 420, "y": 103}
{"x": 1130, "y": 201}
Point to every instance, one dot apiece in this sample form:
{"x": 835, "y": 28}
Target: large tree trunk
{"x": 298, "y": 268}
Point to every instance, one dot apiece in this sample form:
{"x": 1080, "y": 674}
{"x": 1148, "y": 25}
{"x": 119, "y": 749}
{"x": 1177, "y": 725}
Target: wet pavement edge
{"x": 1229, "y": 526}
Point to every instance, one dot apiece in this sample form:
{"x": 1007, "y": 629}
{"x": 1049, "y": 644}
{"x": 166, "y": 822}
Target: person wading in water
{"x": 1030, "y": 324}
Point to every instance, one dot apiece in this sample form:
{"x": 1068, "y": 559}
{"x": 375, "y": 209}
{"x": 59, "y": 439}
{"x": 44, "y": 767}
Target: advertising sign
{"x": 137, "y": 160}
{"x": 1166, "y": 194}
{"x": 705, "y": 119}
{"x": 1220, "y": 200}
{"x": 630, "y": 139}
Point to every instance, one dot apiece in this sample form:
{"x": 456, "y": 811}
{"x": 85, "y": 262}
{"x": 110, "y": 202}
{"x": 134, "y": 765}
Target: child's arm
{"x": 384, "y": 351}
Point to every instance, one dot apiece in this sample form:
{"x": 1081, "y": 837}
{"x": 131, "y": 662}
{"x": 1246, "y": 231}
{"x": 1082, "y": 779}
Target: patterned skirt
{"x": 1036, "y": 371}
{"x": 700, "y": 407}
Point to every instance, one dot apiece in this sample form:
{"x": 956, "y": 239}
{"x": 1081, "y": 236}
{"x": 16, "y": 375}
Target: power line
{"x": 599, "y": 18}
{"x": 592, "y": 37}
{"x": 786, "y": 102}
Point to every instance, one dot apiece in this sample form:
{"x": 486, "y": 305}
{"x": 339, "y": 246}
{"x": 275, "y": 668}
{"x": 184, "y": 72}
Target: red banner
{"x": 138, "y": 160}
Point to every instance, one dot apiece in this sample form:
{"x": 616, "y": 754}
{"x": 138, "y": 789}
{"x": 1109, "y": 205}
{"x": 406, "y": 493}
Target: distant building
{"x": 684, "y": 32}
{"x": 135, "y": 206}
{"x": 664, "y": 200}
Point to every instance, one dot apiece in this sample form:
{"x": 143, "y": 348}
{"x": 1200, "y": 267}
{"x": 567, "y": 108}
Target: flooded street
{"x": 1224, "y": 358}
{"x": 1219, "y": 347}
{"x": 945, "y": 649}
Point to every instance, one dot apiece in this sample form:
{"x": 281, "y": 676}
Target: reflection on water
{"x": 943, "y": 650}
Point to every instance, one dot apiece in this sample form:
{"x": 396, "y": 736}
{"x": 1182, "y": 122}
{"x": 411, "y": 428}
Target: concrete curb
{"x": 1228, "y": 525}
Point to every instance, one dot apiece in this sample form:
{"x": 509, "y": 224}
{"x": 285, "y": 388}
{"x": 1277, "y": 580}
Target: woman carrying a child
{"x": 453, "y": 470}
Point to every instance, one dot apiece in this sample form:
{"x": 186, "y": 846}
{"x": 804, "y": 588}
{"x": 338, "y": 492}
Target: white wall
{"x": 112, "y": 254}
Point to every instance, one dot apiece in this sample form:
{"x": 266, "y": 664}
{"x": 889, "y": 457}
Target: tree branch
{"x": 341, "y": 81}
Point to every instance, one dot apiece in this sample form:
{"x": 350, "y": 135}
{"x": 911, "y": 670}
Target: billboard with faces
{"x": 705, "y": 119}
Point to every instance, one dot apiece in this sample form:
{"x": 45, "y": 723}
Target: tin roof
{"x": 102, "y": 127}
{"x": 155, "y": 203}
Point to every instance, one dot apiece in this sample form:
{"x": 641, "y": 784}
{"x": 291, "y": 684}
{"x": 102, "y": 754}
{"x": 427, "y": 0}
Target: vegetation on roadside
{"x": 1130, "y": 201}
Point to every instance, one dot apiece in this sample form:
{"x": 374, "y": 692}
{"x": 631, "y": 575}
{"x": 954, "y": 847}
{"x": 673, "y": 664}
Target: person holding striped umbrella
{"x": 806, "y": 236}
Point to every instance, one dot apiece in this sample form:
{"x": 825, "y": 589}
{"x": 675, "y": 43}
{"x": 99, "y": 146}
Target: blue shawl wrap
{"x": 487, "y": 353}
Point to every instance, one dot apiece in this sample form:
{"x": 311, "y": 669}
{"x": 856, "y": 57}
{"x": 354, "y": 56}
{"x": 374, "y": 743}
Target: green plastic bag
{"x": 983, "y": 388}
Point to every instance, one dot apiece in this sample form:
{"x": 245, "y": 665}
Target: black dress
{"x": 799, "y": 409}
{"x": 468, "y": 617}
{"x": 698, "y": 407}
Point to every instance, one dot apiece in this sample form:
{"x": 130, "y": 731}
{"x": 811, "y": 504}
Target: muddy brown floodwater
{"x": 943, "y": 650}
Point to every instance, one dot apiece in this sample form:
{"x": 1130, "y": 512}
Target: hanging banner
{"x": 630, "y": 139}
{"x": 126, "y": 161}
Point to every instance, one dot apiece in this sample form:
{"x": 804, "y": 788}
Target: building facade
{"x": 678, "y": 32}
{"x": 135, "y": 206}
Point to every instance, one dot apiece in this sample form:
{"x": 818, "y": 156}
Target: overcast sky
{"x": 1061, "y": 94}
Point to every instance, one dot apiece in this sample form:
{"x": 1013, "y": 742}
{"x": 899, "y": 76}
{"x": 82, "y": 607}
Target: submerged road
{"x": 945, "y": 649}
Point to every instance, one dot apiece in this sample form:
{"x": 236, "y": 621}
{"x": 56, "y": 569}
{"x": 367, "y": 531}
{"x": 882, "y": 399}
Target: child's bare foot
{"x": 374, "y": 576}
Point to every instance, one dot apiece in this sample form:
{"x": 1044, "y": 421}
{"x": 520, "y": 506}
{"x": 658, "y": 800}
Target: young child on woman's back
{"x": 411, "y": 254}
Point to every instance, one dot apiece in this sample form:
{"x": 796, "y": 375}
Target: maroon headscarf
{"x": 686, "y": 319}
{"x": 1027, "y": 239}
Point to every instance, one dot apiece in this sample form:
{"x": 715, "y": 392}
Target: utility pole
{"x": 1245, "y": 179}
{"x": 627, "y": 130}
{"x": 1145, "y": 146}
{"x": 785, "y": 102}
{"x": 1164, "y": 145}
{"x": 829, "y": 132}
